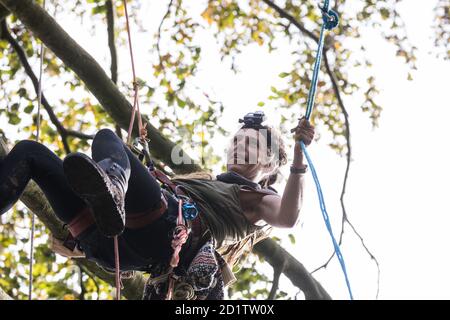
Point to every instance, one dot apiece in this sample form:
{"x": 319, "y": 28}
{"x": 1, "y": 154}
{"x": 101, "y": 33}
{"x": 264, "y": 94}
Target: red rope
{"x": 142, "y": 134}
{"x": 142, "y": 131}
{"x": 180, "y": 236}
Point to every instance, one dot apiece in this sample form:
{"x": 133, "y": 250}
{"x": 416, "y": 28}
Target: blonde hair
{"x": 233, "y": 253}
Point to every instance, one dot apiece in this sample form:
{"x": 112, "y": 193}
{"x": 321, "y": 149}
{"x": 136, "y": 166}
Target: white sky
{"x": 398, "y": 179}
{"x": 396, "y": 194}
{"x": 399, "y": 176}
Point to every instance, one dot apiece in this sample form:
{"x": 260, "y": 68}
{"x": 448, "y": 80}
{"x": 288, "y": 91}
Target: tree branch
{"x": 276, "y": 280}
{"x": 5, "y": 34}
{"x": 292, "y": 20}
{"x": 293, "y": 270}
{"x": 95, "y": 78}
{"x": 111, "y": 39}
{"x": 112, "y": 48}
{"x": 3, "y": 12}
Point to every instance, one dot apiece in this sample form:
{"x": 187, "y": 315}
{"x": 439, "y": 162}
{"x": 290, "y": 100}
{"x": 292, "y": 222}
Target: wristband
{"x": 295, "y": 170}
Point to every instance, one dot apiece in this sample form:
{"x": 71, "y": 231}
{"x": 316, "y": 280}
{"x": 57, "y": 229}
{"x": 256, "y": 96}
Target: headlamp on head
{"x": 253, "y": 120}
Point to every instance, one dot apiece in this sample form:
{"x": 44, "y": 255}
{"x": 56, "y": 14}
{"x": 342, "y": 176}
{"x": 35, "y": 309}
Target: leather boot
{"x": 103, "y": 186}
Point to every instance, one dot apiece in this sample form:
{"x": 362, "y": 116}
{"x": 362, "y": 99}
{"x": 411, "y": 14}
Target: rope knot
{"x": 180, "y": 236}
{"x": 330, "y": 18}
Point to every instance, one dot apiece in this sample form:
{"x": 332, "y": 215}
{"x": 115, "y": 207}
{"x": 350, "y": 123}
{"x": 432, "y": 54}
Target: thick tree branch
{"x": 3, "y": 12}
{"x": 293, "y": 269}
{"x": 5, "y": 34}
{"x": 76, "y": 58}
{"x": 95, "y": 78}
{"x": 292, "y": 20}
{"x": 276, "y": 280}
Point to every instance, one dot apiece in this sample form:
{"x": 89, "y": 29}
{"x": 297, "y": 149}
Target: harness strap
{"x": 164, "y": 179}
{"x": 81, "y": 222}
{"x": 133, "y": 221}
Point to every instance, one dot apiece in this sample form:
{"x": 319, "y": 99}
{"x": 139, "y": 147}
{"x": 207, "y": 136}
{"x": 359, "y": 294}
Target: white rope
{"x": 38, "y": 125}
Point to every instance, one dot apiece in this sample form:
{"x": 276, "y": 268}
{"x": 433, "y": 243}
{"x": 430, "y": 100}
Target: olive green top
{"x": 220, "y": 208}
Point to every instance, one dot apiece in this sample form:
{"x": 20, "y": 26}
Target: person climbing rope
{"x": 113, "y": 194}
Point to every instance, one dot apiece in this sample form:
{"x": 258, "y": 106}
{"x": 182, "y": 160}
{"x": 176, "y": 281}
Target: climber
{"x": 113, "y": 194}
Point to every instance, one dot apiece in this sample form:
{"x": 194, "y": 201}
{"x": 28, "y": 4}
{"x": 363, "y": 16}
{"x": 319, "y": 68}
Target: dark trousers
{"x": 138, "y": 247}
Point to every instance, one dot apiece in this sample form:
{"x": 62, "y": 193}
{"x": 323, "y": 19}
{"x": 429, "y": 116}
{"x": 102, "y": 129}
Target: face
{"x": 247, "y": 153}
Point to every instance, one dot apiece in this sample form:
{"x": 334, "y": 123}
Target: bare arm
{"x": 283, "y": 212}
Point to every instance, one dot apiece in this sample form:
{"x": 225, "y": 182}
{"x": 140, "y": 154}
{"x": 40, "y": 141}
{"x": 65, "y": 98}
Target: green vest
{"x": 220, "y": 208}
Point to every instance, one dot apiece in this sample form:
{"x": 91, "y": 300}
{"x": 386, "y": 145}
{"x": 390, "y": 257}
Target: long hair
{"x": 234, "y": 253}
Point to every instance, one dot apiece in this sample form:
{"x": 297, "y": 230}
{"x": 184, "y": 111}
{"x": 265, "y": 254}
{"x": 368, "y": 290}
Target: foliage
{"x": 187, "y": 114}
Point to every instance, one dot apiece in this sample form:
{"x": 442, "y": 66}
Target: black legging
{"x": 32, "y": 160}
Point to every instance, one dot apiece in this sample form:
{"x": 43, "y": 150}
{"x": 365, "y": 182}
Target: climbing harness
{"x": 186, "y": 208}
{"x": 187, "y": 213}
{"x": 38, "y": 125}
{"x": 179, "y": 237}
{"x": 330, "y": 21}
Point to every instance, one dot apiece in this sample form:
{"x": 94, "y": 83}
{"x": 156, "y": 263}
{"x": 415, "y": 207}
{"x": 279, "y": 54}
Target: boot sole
{"x": 91, "y": 183}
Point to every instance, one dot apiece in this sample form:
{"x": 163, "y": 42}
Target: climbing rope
{"x": 330, "y": 21}
{"x": 38, "y": 126}
{"x": 142, "y": 140}
{"x": 142, "y": 130}
{"x": 179, "y": 238}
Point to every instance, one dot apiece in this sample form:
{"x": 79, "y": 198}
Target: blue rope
{"x": 330, "y": 20}
{"x": 326, "y": 218}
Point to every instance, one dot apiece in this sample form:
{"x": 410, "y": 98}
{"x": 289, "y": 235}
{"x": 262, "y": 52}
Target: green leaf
{"x": 181, "y": 102}
{"x": 29, "y": 109}
{"x": 292, "y": 238}
{"x": 22, "y": 92}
